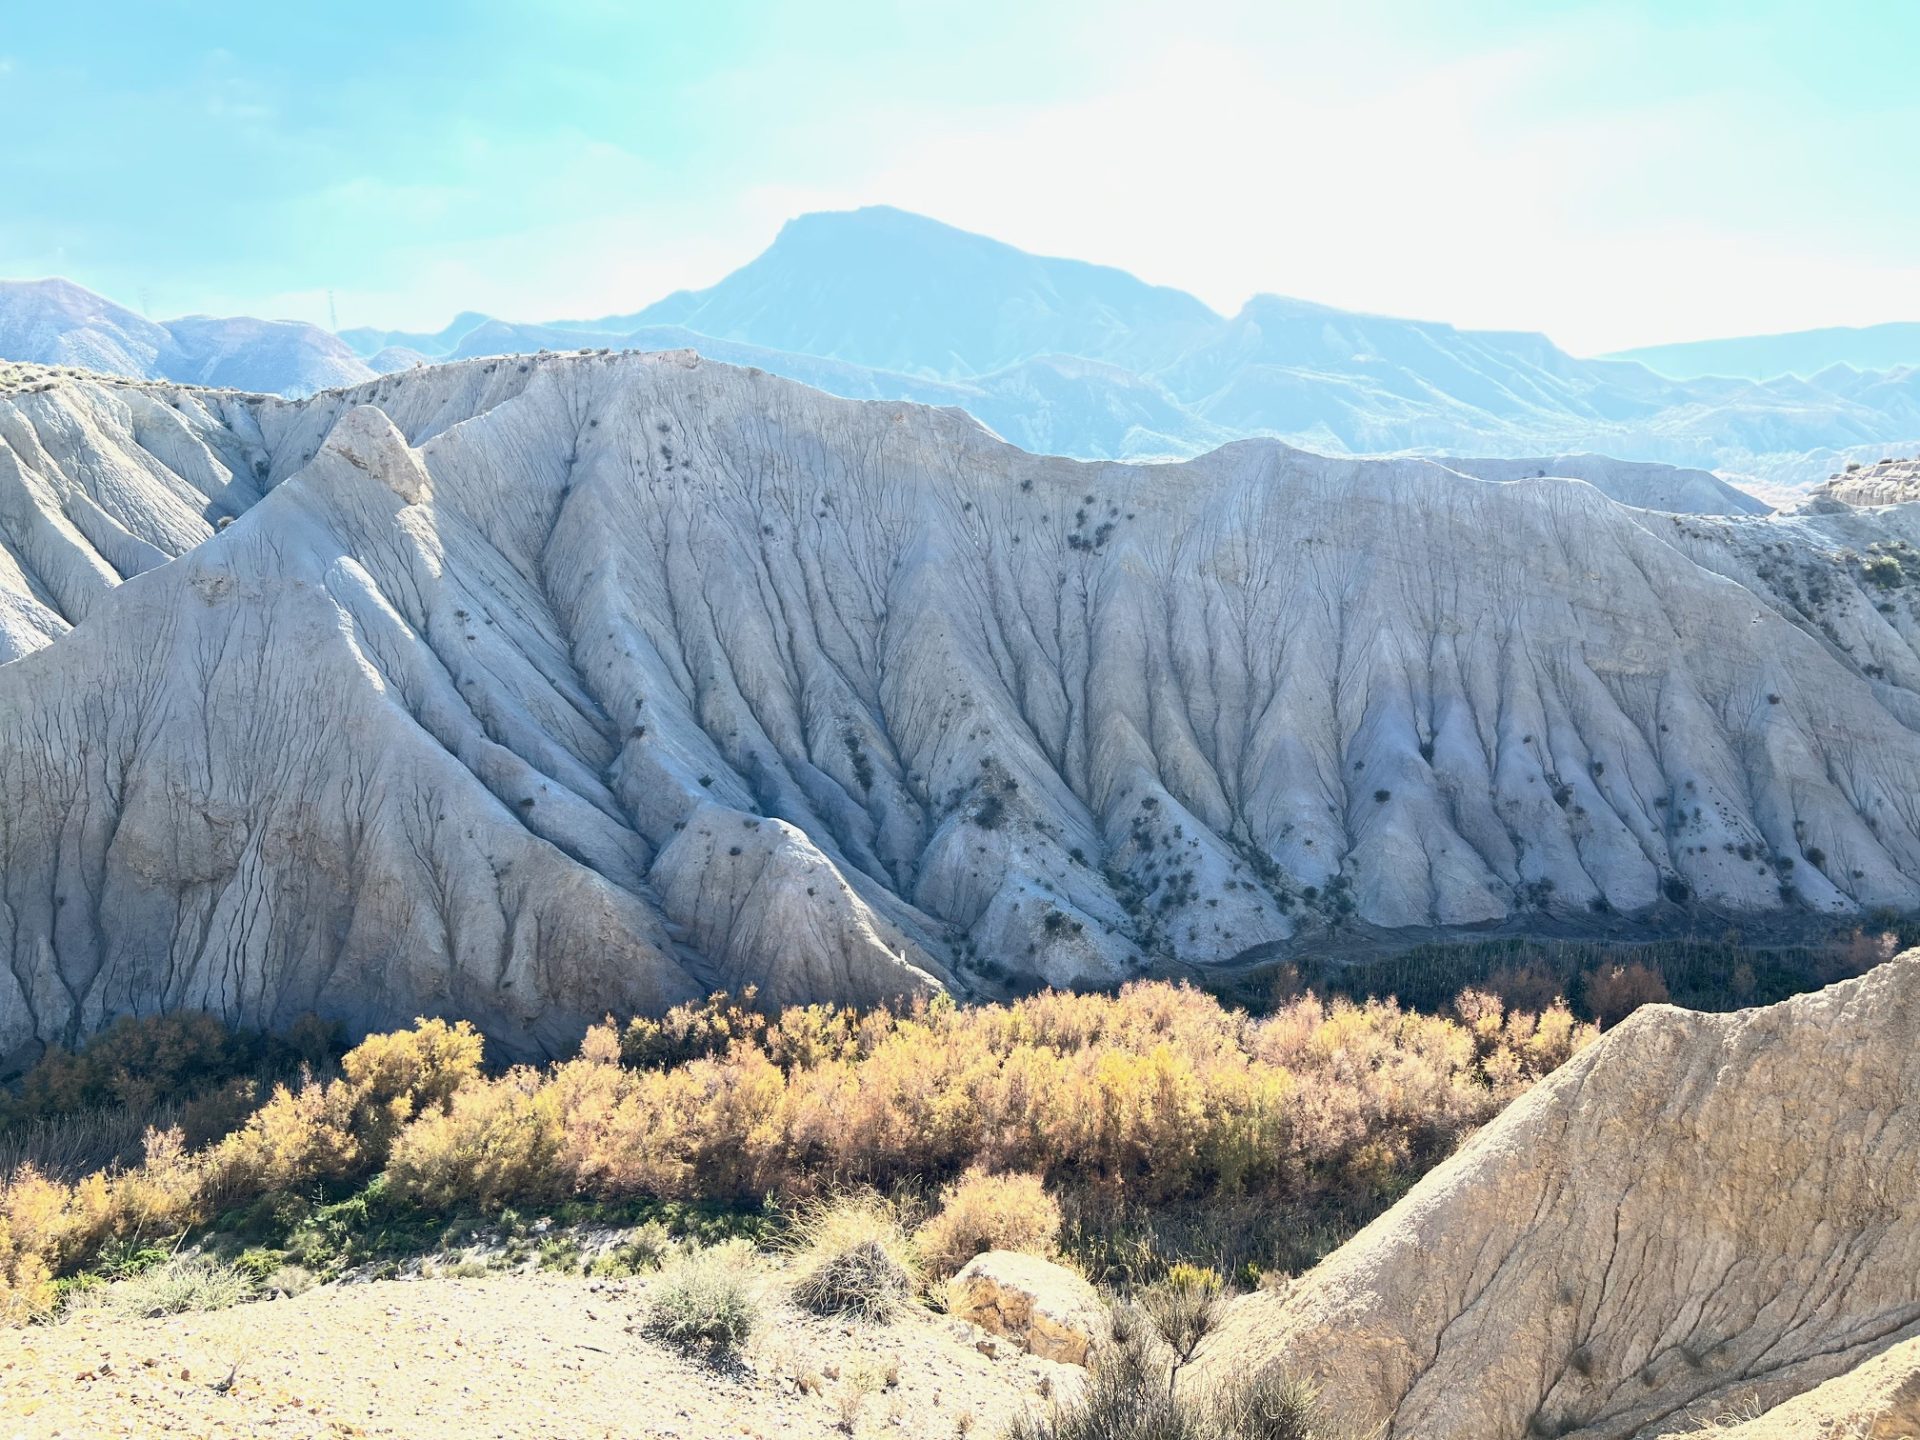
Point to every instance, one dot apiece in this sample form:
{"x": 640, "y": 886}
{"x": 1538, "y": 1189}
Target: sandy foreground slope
{"x": 1701, "y": 1215}
{"x": 528, "y": 1357}
{"x": 1879, "y": 1400}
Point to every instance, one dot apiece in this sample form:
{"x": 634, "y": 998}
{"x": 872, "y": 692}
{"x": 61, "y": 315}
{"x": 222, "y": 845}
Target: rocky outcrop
{"x": 537, "y": 687}
{"x": 1887, "y": 481}
{"x": 1044, "y": 1308}
{"x": 1700, "y": 1214}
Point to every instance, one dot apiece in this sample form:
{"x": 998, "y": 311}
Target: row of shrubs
{"x": 1152, "y": 1095}
{"x": 1603, "y": 980}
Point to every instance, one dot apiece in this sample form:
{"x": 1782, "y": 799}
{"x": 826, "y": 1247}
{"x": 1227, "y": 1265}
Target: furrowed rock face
{"x": 537, "y": 688}
{"x": 1701, "y": 1215}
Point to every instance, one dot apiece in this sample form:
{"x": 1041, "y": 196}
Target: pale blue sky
{"x": 1611, "y": 173}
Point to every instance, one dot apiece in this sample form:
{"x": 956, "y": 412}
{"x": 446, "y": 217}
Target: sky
{"x": 1614, "y": 174}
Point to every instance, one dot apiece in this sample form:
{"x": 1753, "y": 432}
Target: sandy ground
{"x": 542, "y": 1357}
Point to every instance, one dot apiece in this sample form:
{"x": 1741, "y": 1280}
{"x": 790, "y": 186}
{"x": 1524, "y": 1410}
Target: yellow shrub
{"x": 26, "y": 1284}
{"x": 982, "y": 1212}
{"x": 495, "y": 1141}
{"x": 397, "y": 1076}
{"x": 1154, "y": 1094}
{"x": 297, "y": 1137}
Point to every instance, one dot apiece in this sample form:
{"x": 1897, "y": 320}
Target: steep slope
{"x": 1878, "y": 1399}
{"x": 895, "y": 291}
{"x": 55, "y": 322}
{"x": 563, "y": 683}
{"x": 1800, "y": 352}
{"x": 99, "y": 483}
{"x": 1702, "y": 1211}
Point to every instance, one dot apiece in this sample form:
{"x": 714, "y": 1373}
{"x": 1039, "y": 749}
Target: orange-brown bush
{"x": 1616, "y": 991}
{"x": 1156, "y": 1093}
{"x": 140, "y": 1063}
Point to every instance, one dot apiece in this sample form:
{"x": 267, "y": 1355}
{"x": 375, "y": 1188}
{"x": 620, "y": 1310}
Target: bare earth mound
{"x": 1700, "y": 1213}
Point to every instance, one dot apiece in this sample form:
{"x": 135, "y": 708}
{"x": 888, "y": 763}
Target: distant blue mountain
{"x": 895, "y": 291}
{"x": 1801, "y": 352}
{"x": 56, "y": 322}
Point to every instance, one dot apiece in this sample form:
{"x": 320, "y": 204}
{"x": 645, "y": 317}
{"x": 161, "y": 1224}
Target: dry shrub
{"x": 180, "y": 1285}
{"x": 853, "y": 1258}
{"x": 141, "y": 1063}
{"x": 1184, "y": 1306}
{"x": 495, "y": 1141}
{"x": 1130, "y": 1395}
{"x": 983, "y": 1212}
{"x": 317, "y": 1132}
{"x": 1529, "y": 986}
{"x": 26, "y": 1282}
{"x": 1272, "y": 1405}
{"x": 1855, "y": 953}
{"x": 1616, "y": 991}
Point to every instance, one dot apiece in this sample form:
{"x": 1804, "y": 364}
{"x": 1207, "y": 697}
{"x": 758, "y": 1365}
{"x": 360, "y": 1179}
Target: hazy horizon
{"x": 1610, "y": 175}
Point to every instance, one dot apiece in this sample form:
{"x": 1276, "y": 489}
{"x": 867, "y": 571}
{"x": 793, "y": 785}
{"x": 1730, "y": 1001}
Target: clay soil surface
{"x": 531, "y": 1357}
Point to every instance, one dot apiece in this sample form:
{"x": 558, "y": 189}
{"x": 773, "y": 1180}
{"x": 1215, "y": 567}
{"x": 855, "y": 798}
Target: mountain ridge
{"x": 1087, "y": 361}
{"x": 56, "y": 322}
{"x": 1890, "y": 346}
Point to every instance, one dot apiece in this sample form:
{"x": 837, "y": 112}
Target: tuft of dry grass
{"x": 180, "y": 1285}
{"x": 705, "y": 1298}
{"x": 853, "y": 1258}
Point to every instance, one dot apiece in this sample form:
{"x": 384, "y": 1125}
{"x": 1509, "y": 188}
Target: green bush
{"x": 183, "y": 1284}
{"x": 647, "y": 1247}
{"x": 705, "y": 1298}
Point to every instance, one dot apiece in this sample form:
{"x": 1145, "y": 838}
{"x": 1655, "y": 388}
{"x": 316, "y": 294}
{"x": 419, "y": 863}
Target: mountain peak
{"x": 884, "y": 287}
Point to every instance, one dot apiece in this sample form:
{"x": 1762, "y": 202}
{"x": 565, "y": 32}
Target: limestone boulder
{"x": 1046, "y": 1309}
